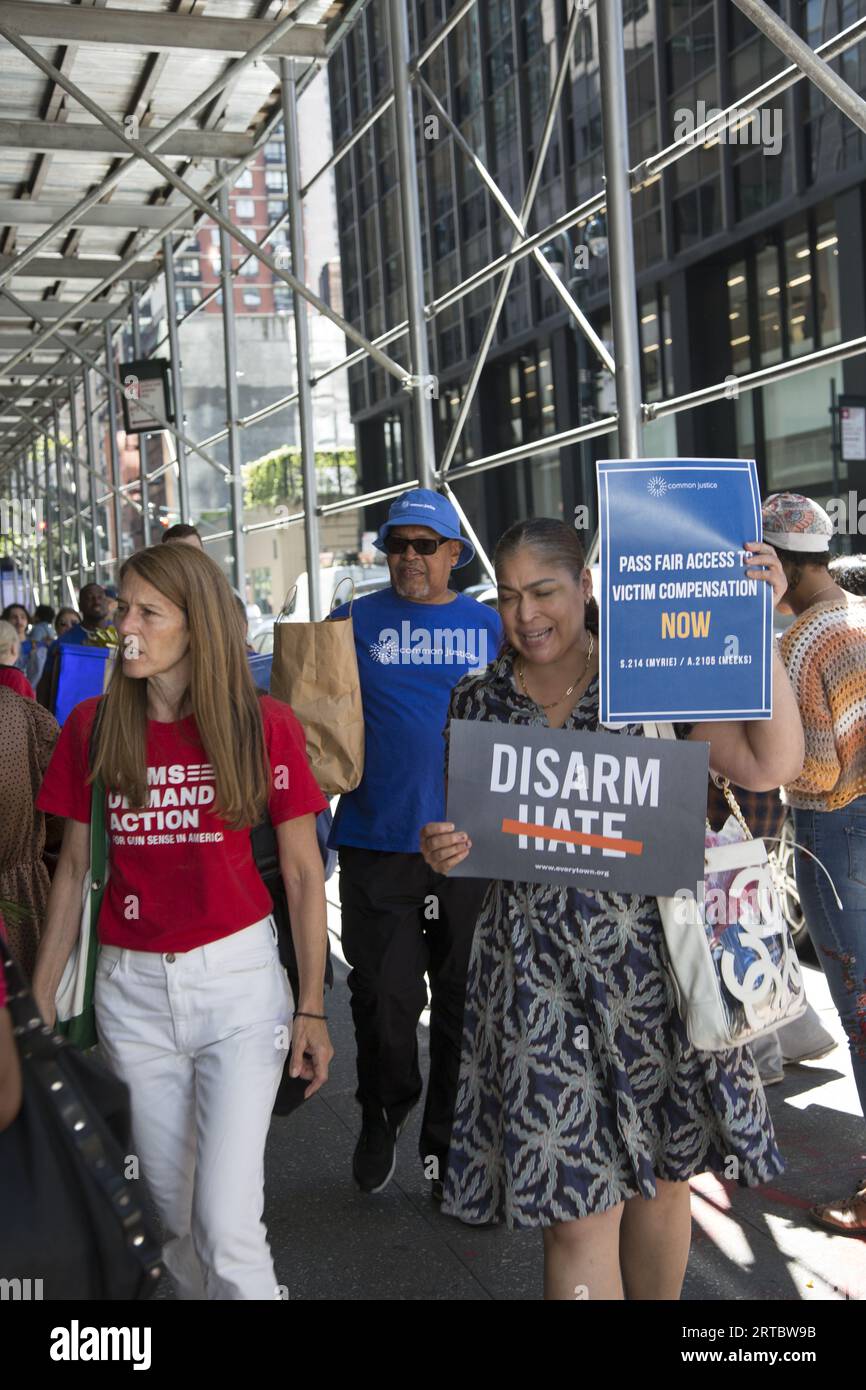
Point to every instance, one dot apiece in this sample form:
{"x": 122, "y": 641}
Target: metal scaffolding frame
{"x": 37, "y": 458}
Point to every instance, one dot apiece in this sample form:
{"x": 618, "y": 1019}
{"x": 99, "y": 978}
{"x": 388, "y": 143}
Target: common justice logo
{"x": 441, "y": 646}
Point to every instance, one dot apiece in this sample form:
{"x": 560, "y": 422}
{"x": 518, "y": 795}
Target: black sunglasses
{"x": 424, "y": 545}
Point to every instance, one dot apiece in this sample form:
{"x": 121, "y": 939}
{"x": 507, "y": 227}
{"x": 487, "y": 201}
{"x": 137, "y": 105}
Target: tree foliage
{"x": 276, "y": 477}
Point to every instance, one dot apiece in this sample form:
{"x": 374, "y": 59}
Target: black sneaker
{"x": 437, "y": 1191}
{"x": 375, "y": 1156}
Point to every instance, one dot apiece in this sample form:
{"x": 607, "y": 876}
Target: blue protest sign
{"x": 684, "y": 634}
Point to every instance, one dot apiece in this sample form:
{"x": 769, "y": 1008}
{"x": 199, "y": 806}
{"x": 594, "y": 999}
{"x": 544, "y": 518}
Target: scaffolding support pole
{"x": 230, "y": 348}
{"x": 486, "y": 562}
{"x": 623, "y": 294}
{"x": 835, "y": 88}
{"x": 289, "y": 92}
{"x": 15, "y": 535}
{"x": 114, "y": 452}
{"x": 33, "y": 536}
{"x": 90, "y": 443}
{"x": 58, "y": 473}
{"x": 76, "y": 474}
{"x": 410, "y": 218}
{"x": 44, "y": 493}
{"x": 176, "y": 378}
{"x": 143, "y": 448}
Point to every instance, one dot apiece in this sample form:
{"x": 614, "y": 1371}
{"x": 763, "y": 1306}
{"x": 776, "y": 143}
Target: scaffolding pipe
{"x": 750, "y": 381}
{"x": 61, "y": 539}
{"x": 441, "y": 35}
{"x": 413, "y": 270}
{"x": 90, "y": 445}
{"x": 230, "y": 350}
{"x": 614, "y": 120}
{"x": 360, "y": 130}
{"x": 486, "y": 562}
{"x": 73, "y": 450}
{"x": 292, "y": 150}
{"x": 143, "y": 437}
{"x": 737, "y": 115}
{"x": 835, "y": 88}
{"x": 114, "y": 451}
{"x": 176, "y": 378}
{"x": 47, "y": 536}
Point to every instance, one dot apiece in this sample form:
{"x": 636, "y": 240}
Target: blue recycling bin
{"x": 260, "y": 667}
{"x": 81, "y": 674}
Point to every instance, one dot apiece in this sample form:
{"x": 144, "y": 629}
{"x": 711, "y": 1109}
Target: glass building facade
{"x": 747, "y": 253}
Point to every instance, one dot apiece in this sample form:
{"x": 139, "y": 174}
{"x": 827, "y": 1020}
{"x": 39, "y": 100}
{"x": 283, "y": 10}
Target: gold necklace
{"x": 832, "y": 585}
{"x": 521, "y": 675}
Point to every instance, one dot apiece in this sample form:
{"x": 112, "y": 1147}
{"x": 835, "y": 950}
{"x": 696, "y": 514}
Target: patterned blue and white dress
{"x": 578, "y": 1086}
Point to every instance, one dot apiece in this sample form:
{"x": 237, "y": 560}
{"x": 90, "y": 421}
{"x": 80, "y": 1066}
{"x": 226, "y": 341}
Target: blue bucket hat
{"x": 421, "y": 507}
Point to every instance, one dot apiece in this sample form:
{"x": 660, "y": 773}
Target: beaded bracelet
{"x": 299, "y": 1013}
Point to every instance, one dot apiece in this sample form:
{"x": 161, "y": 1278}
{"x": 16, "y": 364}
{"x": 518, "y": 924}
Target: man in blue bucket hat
{"x": 414, "y": 640}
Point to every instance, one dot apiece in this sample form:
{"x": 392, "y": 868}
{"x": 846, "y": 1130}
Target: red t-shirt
{"x": 17, "y": 681}
{"x": 178, "y": 877}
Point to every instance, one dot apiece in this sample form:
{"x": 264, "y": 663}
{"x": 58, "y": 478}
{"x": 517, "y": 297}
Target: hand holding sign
{"x": 443, "y": 847}
{"x": 767, "y": 566}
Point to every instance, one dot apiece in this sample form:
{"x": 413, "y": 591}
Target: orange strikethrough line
{"x": 572, "y": 837}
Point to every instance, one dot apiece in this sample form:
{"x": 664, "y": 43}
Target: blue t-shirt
{"x": 410, "y": 657}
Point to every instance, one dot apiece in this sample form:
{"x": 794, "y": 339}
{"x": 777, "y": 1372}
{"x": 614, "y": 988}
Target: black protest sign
{"x": 600, "y": 811}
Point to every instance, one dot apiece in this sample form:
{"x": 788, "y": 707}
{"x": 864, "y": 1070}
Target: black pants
{"x": 400, "y": 920}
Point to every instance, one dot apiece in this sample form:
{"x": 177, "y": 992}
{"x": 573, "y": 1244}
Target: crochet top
{"x": 824, "y": 653}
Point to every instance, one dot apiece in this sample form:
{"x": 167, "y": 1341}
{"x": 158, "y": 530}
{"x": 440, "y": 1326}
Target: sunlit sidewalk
{"x": 331, "y": 1242}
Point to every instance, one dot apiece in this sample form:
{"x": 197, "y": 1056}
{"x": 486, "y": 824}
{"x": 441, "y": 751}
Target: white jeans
{"x": 200, "y": 1039}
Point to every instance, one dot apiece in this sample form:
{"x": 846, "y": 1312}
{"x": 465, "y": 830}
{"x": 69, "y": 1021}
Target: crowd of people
{"x": 563, "y": 1092}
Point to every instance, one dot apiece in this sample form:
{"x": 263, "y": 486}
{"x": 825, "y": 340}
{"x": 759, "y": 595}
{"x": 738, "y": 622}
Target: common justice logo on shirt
{"x": 176, "y": 794}
{"x": 438, "y": 646}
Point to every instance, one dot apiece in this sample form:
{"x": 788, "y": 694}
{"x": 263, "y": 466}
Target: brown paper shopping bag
{"x": 315, "y": 670}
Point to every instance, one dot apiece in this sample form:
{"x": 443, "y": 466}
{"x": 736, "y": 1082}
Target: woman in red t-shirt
{"x": 193, "y": 1008}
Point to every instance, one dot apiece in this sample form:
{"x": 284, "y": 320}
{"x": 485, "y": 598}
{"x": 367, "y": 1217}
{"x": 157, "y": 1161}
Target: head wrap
{"x": 794, "y": 522}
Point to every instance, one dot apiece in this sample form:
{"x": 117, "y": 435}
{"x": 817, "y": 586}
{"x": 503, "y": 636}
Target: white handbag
{"x": 73, "y": 1000}
{"x": 731, "y": 955}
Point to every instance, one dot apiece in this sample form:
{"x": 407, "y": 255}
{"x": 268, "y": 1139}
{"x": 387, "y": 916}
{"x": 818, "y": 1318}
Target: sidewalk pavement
{"x": 332, "y": 1242}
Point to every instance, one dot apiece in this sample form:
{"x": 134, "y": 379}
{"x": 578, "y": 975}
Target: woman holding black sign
{"x": 582, "y": 1106}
